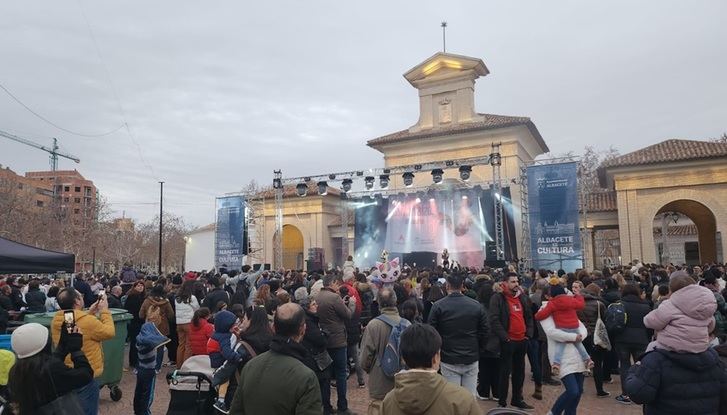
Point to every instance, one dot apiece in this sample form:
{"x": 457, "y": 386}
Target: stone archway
{"x": 703, "y": 218}
{"x": 293, "y": 247}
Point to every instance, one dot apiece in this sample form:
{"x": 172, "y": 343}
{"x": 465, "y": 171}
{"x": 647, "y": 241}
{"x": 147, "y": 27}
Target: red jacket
{"x": 563, "y": 309}
{"x": 198, "y": 336}
{"x": 353, "y": 292}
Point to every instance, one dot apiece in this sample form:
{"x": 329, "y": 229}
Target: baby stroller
{"x": 190, "y": 388}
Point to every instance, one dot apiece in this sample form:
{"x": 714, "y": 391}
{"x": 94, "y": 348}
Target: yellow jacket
{"x": 95, "y": 330}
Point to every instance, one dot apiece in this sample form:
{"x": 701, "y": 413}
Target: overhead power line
{"x": 16, "y": 99}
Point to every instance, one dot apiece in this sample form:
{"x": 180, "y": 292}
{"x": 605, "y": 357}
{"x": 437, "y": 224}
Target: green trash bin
{"x": 113, "y": 349}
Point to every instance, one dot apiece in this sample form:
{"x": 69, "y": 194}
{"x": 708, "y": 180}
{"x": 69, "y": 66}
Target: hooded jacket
{"x": 199, "y": 335}
{"x": 220, "y": 345}
{"x": 147, "y": 343}
{"x": 165, "y": 309}
{"x": 375, "y": 339}
{"x": 670, "y": 383}
{"x": 563, "y": 308}
{"x": 424, "y": 392}
{"x": 722, "y": 352}
{"x": 35, "y": 299}
{"x": 635, "y": 332}
{"x": 589, "y": 314}
{"x": 499, "y": 317}
{"x": 684, "y": 321}
{"x": 280, "y": 369}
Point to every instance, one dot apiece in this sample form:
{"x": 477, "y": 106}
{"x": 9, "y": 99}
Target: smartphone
{"x": 70, "y": 319}
{"x": 101, "y": 295}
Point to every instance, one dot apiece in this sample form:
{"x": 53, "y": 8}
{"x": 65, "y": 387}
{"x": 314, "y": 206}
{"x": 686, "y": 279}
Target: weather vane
{"x": 444, "y": 36}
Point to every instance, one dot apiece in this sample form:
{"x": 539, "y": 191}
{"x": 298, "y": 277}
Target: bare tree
{"x": 720, "y": 139}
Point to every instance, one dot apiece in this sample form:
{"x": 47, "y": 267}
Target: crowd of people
{"x": 434, "y": 341}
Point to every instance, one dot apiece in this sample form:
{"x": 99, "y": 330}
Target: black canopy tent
{"x": 17, "y": 258}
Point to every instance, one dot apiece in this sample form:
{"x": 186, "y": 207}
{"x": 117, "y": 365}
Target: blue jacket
{"x": 220, "y": 344}
{"x": 147, "y": 343}
{"x": 670, "y": 383}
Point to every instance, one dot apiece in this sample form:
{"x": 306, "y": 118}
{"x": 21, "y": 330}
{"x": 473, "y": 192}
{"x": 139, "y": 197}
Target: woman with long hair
{"x": 134, "y": 299}
{"x": 185, "y": 306}
{"x": 157, "y": 309}
{"x": 39, "y": 377}
{"x": 256, "y": 329}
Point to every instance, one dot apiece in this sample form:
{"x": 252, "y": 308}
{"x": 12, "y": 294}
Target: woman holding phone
{"x": 40, "y": 382}
{"x": 135, "y": 298}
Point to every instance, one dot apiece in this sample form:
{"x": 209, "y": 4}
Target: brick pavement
{"x": 358, "y": 398}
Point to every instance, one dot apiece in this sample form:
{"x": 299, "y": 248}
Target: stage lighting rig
{"x": 322, "y": 188}
{"x": 346, "y": 185}
{"x": 408, "y": 178}
{"x": 369, "y": 182}
{"x": 465, "y": 172}
{"x": 302, "y": 189}
{"x": 384, "y": 181}
{"x": 437, "y": 175}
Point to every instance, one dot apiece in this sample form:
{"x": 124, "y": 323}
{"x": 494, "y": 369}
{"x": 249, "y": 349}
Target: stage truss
{"x": 494, "y": 159}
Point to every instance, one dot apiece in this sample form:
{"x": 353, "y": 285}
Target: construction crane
{"x": 54, "y": 154}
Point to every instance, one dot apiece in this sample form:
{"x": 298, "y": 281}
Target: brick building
{"x": 76, "y": 195}
{"x": 40, "y": 192}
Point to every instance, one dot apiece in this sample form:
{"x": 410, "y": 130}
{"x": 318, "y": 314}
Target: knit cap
{"x": 29, "y": 339}
{"x": 555, "y": 287}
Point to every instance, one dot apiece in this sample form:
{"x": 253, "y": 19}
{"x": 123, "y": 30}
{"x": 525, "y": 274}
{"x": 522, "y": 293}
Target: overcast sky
{"x": 219, "y": 93}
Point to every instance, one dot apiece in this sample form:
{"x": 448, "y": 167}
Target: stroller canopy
{"x": 17, "y": 258}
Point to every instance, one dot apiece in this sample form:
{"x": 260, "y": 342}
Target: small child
{"x": 684, "y": 321}
{"x": 148, "y": 342}
{"x": 221, "y": 348}
{"x": 563, "y": 308}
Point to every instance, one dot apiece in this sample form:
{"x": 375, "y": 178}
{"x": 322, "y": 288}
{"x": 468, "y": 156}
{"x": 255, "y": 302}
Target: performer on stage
{"x": 445, "y": 259}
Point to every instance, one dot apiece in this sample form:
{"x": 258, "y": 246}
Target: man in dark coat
{"x": 670, "y": 383}
{"x": 277, "y": 381}
{"x": 511, "y": 323}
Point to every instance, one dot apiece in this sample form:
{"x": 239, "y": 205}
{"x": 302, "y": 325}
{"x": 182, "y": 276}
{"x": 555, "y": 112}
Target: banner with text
{"x": 555, "y": 242}
{"x": 230, "y": 244}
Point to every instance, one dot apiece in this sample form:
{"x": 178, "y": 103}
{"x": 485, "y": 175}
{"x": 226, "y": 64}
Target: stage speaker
{"x": 496, "y": 263}
{"x": 315, "y": 259}
{"x": 490, "y": 251}
{"x": 256, "y": 267}
{"x": 267, "y": 267}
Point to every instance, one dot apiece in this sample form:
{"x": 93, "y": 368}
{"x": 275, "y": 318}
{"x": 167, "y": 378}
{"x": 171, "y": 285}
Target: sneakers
{"x": 623, "y": 399}
{"x": 362, "y": 385}
{"x": 221, "y": 406}
{"x": 482, "y": 398}
{"x": 555, "y": 370}
{"x": 602, "y": 394}
{"x": 522, "y": 405}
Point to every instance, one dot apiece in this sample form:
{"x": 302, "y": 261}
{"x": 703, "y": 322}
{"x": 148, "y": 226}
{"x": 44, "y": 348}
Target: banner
{"x": 230, "y": 238}
{"x": 555, "y": 241}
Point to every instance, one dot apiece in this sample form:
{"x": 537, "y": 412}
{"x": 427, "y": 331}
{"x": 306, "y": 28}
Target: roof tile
{"x": 670, "y": 151}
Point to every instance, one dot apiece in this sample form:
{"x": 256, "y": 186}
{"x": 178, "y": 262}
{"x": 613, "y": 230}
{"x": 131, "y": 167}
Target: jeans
{"x": 160, "y": 358}
{"x": 88, "y": 396}
{"x": 144, "y": 391}
{"x": 567, "y": 402}
{"x": 512, "y": 360}
{"x": 353, "y": 358}
{"x": 325, "y": 385}
{"x": 559, "y": 347}
{"x": 625, "y": 353}
{"x": 462, "y": 375}
{"x": 339, "y": 373}
{"x": 535, "y": 361}
{"x": 487, "y": 376}
{"x": 598, "y": 354}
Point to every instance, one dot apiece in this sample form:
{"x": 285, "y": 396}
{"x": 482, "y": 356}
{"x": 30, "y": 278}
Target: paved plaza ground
{"x": 358, "y": 398}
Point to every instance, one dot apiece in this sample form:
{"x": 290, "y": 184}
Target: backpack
{"x": 616, "y": 318}
{"x": 390, "y": 361}
{"x": 154, "y": 315}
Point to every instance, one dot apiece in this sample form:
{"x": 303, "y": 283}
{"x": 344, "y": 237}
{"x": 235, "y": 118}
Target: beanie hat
{"x": 29, "y": 339}
{"x": 177, "y": 280}
{"x": 555, "y": 287}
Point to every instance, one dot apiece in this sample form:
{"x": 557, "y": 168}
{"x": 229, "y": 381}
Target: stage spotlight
{"x": 369, "y": 182}
{"x": 408, "y": 179}
{"x": 417, "y": 167}
{"x": 346, "y": 185}
{"x": 464, "y": 196}
{"x": 418, "y": 200}
{"x": 449, "y": 163}
{"x": 277, "y": 184}
{"x": 437, "y": 175}
{"x": 465, "y": 172}
{"x": 332, "y": 176}
{"x": 322, "y": 188}
{"x": 302, "y": 189}
{"x": 359, "y": 173}
{"x": 384, "y": 181}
